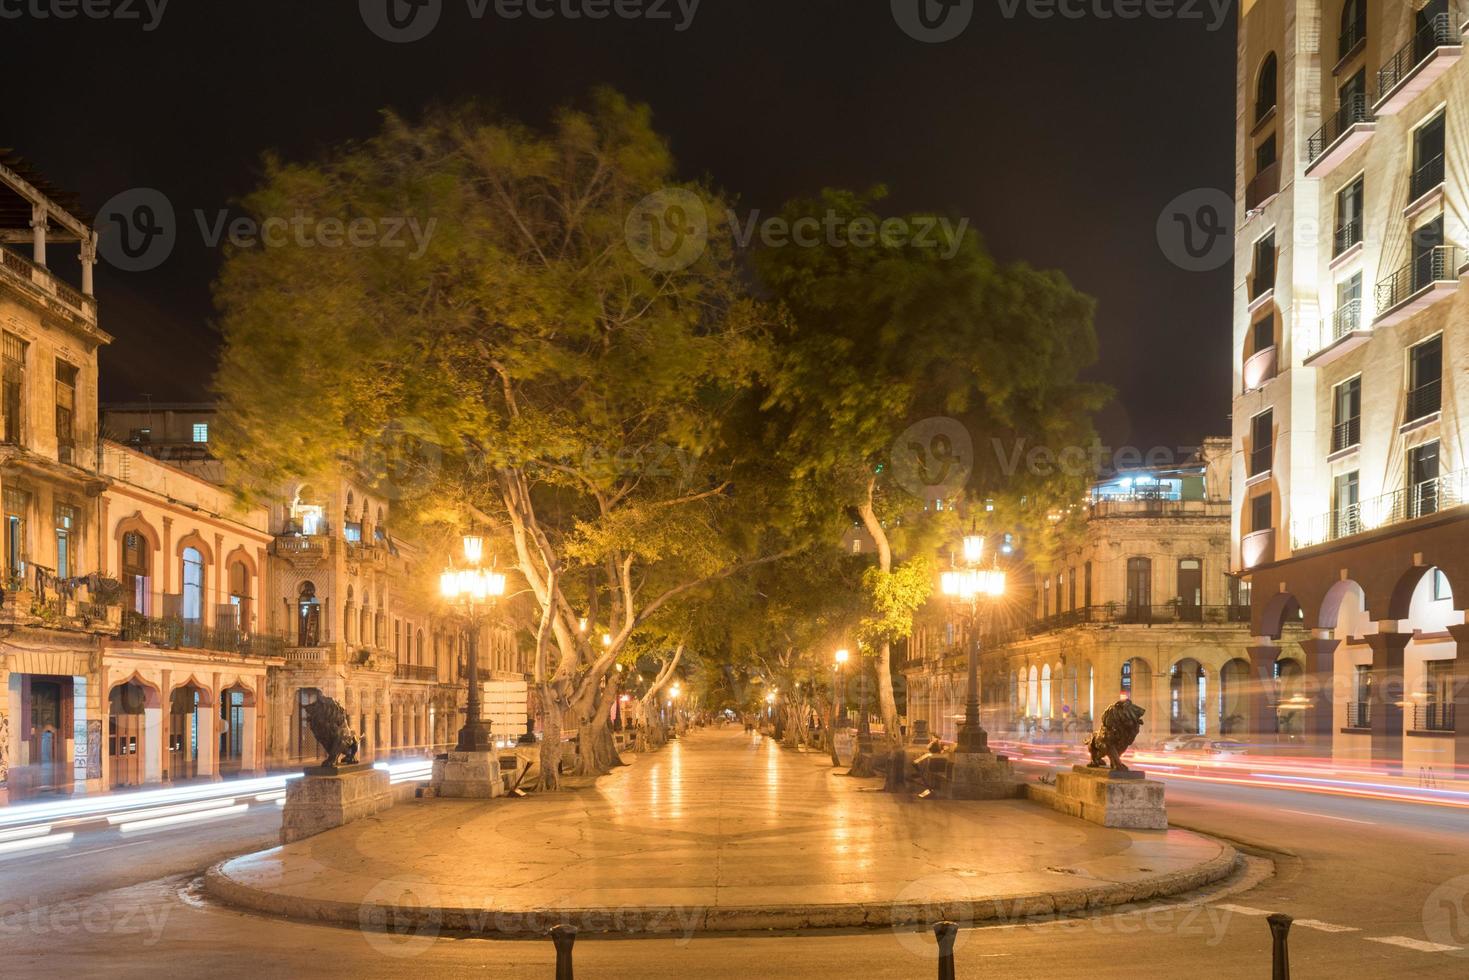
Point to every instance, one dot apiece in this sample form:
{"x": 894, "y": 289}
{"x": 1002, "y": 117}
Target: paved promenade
{"x": 720, "y": 830}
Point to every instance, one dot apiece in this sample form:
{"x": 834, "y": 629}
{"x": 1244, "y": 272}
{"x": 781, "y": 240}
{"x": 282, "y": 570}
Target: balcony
{"x": 1430, "y": 278}
{"x": 1345, "y": 435}
{"x": 53, "y": 293}
{"x": 1345, "y": 132}
{"x": 1347, "y": 237}
{"x": 303, "y": 550}
{"x": 1119, "y": 614}
{"x": 1257, "y": 548}
{"x": 171, "y": 633}
{"x": 1344, "y": 335}
{"x": 1359, "y": 714}
{"x": 1399, "y": 507}
{"x": 1431, "y": 52}
{"x": 1260, "y": 367}
{"x": 415, "y": 672}
{"x": 1423, "y": 401}
{"x": 1433, "y": 716}
{"x": 1263, "y": 189}
{"x": 1261, "y": 459}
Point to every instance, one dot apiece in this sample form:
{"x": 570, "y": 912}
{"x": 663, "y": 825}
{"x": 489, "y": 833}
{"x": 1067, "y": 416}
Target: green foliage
{"x": 893, "y": 598}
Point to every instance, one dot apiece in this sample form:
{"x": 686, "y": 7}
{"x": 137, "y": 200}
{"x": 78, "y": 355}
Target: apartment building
{"x": 1349, "y": 515}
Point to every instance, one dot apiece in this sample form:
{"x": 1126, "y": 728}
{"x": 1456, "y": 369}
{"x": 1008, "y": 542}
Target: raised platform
{"x": 324, "y": 799}
{"x": 1112, "y": 798}
{"x": 719, "y": 831}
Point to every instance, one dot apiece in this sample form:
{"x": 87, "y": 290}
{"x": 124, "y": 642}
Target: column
{"x": 1320, "y": 680}
{"x": 38, "y": 234}
{"x": 1461, "y": 700}
{"x": 165, "y": 559}
{"x": 1260, "y": 717}
{"x": 204, "y": 733}
{"x": 165, "y": 719}
{"x": 9, "y": 734}
{"x": 89, "y": 260}
{"x": 1386, "y": 704}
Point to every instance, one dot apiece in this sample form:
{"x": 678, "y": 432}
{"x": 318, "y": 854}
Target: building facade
{"x": 1349, "y": 515}
{"x": 1142, "y": 604}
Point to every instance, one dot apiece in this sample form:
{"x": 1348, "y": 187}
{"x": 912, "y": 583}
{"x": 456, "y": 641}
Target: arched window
{"x": 1266, "y": 88}
{"x": 193, "y": 579}
{"x": 1046, "y": 691}
{"x": 308, "y": 616}
{"x": 419, "y": 645}
{"x": 1032, "y": 700}
{"x": 1139, "y": 587}
{"x": 135, "y": 565}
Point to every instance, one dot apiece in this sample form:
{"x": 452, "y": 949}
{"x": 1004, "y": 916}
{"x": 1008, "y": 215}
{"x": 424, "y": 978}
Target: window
{"x": 1239, "y": 593}
{"x": 1265, "y": 334}
{"x": 1139, "y": 586}
{"x": 66, "y": 403}
{"x": 1431, "y": 261}
{"x": 1353, "y": 26}
{"x": 1425, "y": 377}
{"x": 1265, "y": 154}
{"x": 240, "y": 594}
{"x": 1046, "y": 600}
{"x": 1190, "y": 589}
{"x": 12, "y": 386}
{"x": 1428, "y": 157}
{"x": 352, "y": 531}
{"x": 65, "y": 522}
{"x": 17, "y": 503}
{"x": 201, "y": 432}
{"x": 135, "y": 560}
{"x": 308, "y": 616}
{"x": 1423, "y": 480}
{"x": 1262, "y": 442}
{"x": 1348, "y": 316}
{"x": 1346, "y": 513}
{"x": 1087, "y": 586}
{"x": 1264, "y": 277}
{"x": 1261, "y": 507}
{"x": 1441, "y": 590}
{"x": 1349, "y": 216}
{"x": 307, "y": 747}
{"x": 1346, "y": 414}
{"x": 1071, "y": 587}
{"x": 193, "y": 579}
{"x": 1265, "y": 88}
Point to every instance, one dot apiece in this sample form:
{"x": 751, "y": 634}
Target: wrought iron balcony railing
{"x": 1428, "y": 175}
{"x": 1424, "y": 401}
{"x": 189, "y": 634}
{"x": 1359, "y": 714}
{"x": 1433, "y": 716}
{"x": 1349, "y": 234}
{"x": 1440, "y": 264}
{"x": 1354, "y": 35}
{"x": 1346, "y": 434}
{"x": 1352, "y": 111}
{"x": 1436, "y": 33}
{"x": 1260, "y": 459}
{"x": 1398, "y": 507}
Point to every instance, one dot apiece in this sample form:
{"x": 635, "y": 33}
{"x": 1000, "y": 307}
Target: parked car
{"x": 1204, "y": 746}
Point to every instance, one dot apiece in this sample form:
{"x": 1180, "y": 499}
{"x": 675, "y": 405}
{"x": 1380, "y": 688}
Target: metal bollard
{"x": 563, "y": 936}
{"x": 1280, "y": 931}
{"x": 946, "y": 933}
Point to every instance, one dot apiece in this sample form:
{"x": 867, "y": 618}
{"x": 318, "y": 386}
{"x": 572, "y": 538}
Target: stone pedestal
{"x": 844, "y": 742}
{"x": 1127, "y": 799}
{"x": 981, "y": 776}
{"x": 468, "y": 776}
{"x": 319, "y": 801}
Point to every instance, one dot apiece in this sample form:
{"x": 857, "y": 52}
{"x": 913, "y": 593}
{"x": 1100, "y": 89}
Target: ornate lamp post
{"x": 841, "y": 701}
{"x": 473, "y": 589}
{"x": 974, "y": 590}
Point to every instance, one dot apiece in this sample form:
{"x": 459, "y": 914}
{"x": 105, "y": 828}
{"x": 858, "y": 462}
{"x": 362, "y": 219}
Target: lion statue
{"x": 1121, "y": 723}
{"x": 330, "y": 725}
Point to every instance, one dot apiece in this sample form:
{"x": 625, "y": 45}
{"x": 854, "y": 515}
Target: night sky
{"x": 1060, "y": 140}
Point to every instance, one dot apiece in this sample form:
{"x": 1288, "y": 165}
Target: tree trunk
{"x": 887, "y": 703}
{"x": 550, "y": 742}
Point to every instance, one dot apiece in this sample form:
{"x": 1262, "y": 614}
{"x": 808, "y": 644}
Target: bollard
{"x": 1280, "y": 931}
{"x": 945, "y": 933}
{"x": 563, "y": 936}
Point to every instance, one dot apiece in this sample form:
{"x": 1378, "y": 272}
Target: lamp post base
{"x": 972, "y": 738}
{"x": 468, "y": 775}
{"x": 475, "y": 737}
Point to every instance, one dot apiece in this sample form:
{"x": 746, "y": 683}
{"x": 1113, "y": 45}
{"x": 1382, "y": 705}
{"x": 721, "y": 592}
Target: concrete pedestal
{"x": 844, "y": 741}
{"x": 468, "y": 776}
{"x": 1127, "y": 800}
{"x": 981, "y": 776}
{"x": 315, "y": 802}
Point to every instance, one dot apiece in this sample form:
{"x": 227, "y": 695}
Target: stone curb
{"x": 683, "y": 920}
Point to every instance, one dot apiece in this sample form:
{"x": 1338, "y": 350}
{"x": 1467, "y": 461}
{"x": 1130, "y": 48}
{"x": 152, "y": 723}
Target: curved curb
{"x": 654, "y": 920}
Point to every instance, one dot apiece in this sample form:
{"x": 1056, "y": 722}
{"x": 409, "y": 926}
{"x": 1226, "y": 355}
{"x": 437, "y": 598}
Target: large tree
{"x": 884, "y": 349}
{"x": 553, "y": 380}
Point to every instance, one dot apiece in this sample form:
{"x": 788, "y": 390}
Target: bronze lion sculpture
{"x": 1121, "y": 723}
{"x": 330, "y": 725}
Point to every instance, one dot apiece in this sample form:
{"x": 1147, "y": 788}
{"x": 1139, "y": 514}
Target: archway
{"x": 126, "y": 742}
{"x": 188, "y": 731}
{"x": 1290, "y": 697}
{"x": 1234, "y": 704}
{"x": 236, "y": 719}
{"x": 1187, "y": 698}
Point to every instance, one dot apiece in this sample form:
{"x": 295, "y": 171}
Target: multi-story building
{"x": 1349, "y": 513}
{"x": 1141, "y": 603}
{"x": 354, "y": 605}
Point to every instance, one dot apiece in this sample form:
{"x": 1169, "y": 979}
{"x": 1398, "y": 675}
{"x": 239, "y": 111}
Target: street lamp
{"x": 473, "y": 589}
{"x": 841, "y": 706}
{"x": 973, "y": 588}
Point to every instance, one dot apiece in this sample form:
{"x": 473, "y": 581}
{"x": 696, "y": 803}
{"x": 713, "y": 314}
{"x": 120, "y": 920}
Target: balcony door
{"x": 1139, "y": 587}
{"x": 1430, "y": 28}
{"x": 1190, "y": 590}
{"x": 1345, "y": 506}
{"x": 1423, "y": 480}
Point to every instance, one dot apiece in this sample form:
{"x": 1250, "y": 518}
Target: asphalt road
{"x": 1375, "y": 887}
